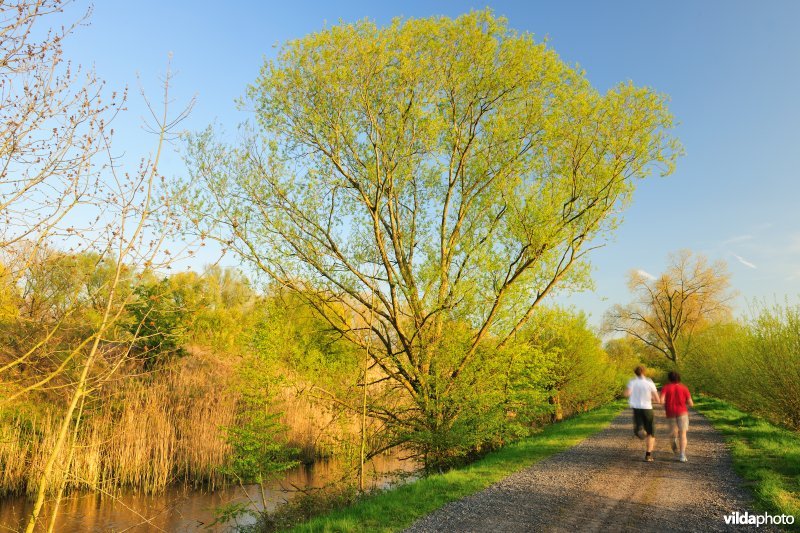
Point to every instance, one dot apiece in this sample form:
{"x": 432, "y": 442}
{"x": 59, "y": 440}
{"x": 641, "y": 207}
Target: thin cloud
{"x": 743, "y": 261}
{"x": 738, "y": 238}
{"x": 645, "y": 274}
{"x": 794, "y": 243}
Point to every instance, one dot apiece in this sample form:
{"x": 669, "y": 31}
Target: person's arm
{"x": 689, "y": 402}
{"x": 628, "y": 390}
{"x": 654, "y": 395}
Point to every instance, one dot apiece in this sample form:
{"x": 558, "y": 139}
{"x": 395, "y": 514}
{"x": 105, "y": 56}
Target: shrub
{"x": 754, "y": 364}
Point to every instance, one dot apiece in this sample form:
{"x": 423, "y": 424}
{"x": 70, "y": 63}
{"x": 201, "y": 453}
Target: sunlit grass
{"x": 396, "y": 509}
{"x": 767, "y": 456}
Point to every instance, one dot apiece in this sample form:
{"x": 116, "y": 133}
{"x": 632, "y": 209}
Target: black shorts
{"x": 643, "y": 418}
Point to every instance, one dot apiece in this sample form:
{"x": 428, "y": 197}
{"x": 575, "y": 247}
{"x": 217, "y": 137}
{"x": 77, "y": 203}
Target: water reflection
{"x": 182, "y": 510}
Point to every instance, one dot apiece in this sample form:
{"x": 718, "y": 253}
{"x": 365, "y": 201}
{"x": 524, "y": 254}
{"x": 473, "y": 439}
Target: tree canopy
{"x": 455, "y": 169}
{"x": 668, "y": 310}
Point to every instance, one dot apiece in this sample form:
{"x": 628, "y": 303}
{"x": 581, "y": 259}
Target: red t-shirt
{"x": 675, "y": 397}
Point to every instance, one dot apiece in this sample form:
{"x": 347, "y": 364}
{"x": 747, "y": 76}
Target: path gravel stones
{"x": 603, "y": 484}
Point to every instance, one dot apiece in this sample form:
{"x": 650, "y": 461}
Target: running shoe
{"x": 682, "y": 458}
{"x": 675, "y": 445}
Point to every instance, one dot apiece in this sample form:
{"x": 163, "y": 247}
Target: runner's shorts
{"x": 643, "y": 418}
{"x": 681, "y": 421}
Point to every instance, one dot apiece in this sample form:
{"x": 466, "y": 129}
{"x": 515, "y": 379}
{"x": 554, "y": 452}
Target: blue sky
{"x": 731, "y": 69}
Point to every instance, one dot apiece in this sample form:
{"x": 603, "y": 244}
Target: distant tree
{"x": 453, "y": 168}
{"x": 158, "y": 322}
{"x": 667, "y": 311}
{"x": 622, "y": 351}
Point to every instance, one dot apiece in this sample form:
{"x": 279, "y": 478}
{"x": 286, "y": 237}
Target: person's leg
{"x": 651, "y": 434}
{"x": 673, "y": 434}
{"x": 638, "y": 422}
{"x": 683, "y": 427}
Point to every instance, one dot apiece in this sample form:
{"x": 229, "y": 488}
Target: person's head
{"x": 639, "y": 371}
{"x": 674, "y": 377}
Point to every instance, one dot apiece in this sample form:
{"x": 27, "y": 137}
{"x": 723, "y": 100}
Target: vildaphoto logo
{"x": 747, "y": 519}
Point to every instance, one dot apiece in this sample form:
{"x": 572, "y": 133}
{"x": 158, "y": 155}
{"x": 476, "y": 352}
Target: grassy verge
{"x": 764, "y": 454}
{"x": 396, "y": 509}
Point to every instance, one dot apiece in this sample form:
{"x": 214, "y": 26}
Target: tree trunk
{"x": 558, "y": 411}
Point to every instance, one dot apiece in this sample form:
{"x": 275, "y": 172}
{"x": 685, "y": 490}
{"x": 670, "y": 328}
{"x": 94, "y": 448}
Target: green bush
{"x": 754, "y": 364}
{"x": 555, "y": 367}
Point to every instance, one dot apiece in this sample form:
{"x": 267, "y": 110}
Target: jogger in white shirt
{"x": 642, "y": 393}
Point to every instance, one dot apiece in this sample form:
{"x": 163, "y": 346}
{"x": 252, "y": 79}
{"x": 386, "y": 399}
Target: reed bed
{"x": 315, "y": 429}
{"x": 161, "y": 429}
{"x": 145, "y": 435}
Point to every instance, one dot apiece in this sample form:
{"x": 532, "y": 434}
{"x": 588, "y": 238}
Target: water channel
{"x": 184, "y": 510}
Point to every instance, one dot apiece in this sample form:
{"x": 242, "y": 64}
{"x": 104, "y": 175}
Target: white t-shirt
{"x": 641, "y": 393}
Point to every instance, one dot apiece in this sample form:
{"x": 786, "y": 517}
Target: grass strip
{"x": 396, "y": 509}
{"x": 767, "y": 456}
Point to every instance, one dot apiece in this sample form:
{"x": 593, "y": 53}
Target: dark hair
{"x": 674, "y": 377}
{"x": 639, "y": 370}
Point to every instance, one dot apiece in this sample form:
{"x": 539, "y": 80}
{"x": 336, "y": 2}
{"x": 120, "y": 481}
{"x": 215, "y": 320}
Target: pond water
{"x": 184, "y": 510}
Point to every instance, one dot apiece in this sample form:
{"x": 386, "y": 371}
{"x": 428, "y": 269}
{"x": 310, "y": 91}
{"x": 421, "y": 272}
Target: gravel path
{"x": 603, "y": 484}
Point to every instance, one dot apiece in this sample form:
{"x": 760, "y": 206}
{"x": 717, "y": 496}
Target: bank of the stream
{"x": 395, "y": 509}
{"x": 181, "y": 509}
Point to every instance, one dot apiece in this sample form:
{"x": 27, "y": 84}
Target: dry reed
{"x": 164, "y": 428}
{"x": 149, "y": 433}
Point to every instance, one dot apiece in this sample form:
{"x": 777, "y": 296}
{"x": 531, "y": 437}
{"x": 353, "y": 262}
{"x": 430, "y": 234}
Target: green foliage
{"x": 219, "y": 306}
{"x": 625, "y": 353}
{"x": 71, "y": 286}
{"x": 259, "y": 452}
{"x": 157, "y": 322}
{"x": 217, "y": 309}
{"x": 562, "y": 360}
{"x": 232, "y": 512}
{"x": 288, "y": 332}
{"x": 766, "y": 455}
{"x": 424, "y": 186}
{"x": 50, "y": 307}
{"x": 555, "y": 367}
{"x": 753, "y": 364}
{"x": 305, "y": 506}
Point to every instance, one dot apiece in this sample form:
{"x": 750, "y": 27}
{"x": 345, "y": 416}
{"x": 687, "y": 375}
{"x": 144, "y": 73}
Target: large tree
{"x": 668, "y": 310}
{"x": 453, "y": 168}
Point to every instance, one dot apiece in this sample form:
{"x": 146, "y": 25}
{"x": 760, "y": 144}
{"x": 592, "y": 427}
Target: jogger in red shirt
{"x": 675, "y": 397}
